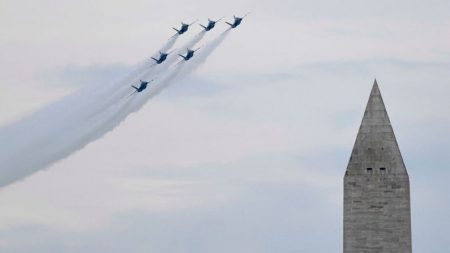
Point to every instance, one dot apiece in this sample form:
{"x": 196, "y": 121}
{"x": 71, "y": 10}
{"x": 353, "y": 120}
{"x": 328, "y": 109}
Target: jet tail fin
{"x": 154, "y": 59}
{"x": 203, "y": 26}
{"x": 178, "y": 31}
{"x": 135, "y": 87}
{"x": 229, "y": 24}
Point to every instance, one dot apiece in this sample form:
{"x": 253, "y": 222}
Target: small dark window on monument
{"x": 369, "y": 170}
{"x": 383, "y": 170}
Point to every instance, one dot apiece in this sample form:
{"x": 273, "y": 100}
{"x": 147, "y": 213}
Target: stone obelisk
{"x": 377, "y": 212}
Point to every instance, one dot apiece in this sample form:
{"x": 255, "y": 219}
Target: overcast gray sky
{"x": 245, "y": 155}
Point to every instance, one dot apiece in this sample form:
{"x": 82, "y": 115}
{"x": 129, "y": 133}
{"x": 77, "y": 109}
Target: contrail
{"x": 111, "y": 92}
{"x": 205, "y": 51}
{"x": 174, "y": 56}
{"x": 60, "y": 129}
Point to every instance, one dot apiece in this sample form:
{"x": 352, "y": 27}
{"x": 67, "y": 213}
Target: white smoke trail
{"x": 68, "y": 125}
{"x": 205, "y": 51}
{"x": 174, "y": 55}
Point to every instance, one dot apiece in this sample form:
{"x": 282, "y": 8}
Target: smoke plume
{"x": 61, "y": 128}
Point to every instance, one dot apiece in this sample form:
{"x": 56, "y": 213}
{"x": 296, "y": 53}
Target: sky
{"x": 248, "y": 153}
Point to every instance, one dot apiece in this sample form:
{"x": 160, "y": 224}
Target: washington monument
{"x": 377, "y": 212}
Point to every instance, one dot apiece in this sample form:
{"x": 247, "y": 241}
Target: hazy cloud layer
{"x": 249, "y": 154}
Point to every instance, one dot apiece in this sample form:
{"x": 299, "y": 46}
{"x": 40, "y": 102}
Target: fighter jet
{"x": 189, "y": 54}
{"x": 211, "y": 24}
{"x": 141, "y": 87}
{"x": 237, "y": 21}
{"x": 162, "y": 57}
{"x": 184, "y": 27}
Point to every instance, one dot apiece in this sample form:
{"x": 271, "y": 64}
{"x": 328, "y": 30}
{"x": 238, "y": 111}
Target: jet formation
{"x": 190, "y": 53}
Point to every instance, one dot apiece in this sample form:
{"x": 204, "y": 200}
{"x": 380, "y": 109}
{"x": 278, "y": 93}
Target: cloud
{"x": 248, "y": 154}
{"x": 78, "y": 76}
{"x": 253, "y": 138}
{"x": 246, "y": 223}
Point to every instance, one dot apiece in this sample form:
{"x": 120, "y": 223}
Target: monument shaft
{"x": 377, "y": 215}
